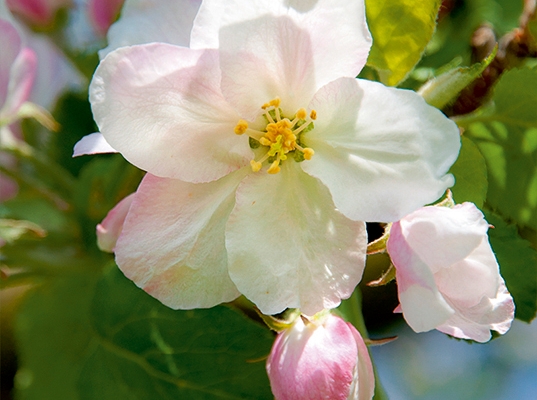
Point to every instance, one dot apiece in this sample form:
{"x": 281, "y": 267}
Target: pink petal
{"x": 160, "y": 106}
{"x": 94, "y": 143}
{"x": 289, "y": 247}
{"x": 314, "y": 361}
{"x": 172, "y": 243}
{"x": 103, "y": 13}
{"x": 10, "y": 43}
{"x": 382, "y": 152}
{"x": 109, "y": 230}
{"x": 38, "y": 12}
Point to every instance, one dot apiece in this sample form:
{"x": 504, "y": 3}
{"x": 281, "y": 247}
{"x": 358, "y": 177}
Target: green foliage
{"x": 97, "y": 336}
{"x": 506, "y": 133}
{"x": 470, "y": 173}
{"x": 518, "y": 265}
{"x": 440, "y": 91}
{"x": 401, "y": 29}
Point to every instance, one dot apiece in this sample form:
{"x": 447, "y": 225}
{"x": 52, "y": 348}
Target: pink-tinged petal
{"x": 10, "y": 43}
{"x": 161, "y": 107}
{"x": 146, "y": 21}
{"x": 496, "y": 313}
{"x": 94, "y": 143}
{"x": 363, "y": 387}
{"x": 263, "y": 59}
{"x": 103, "y": 13}
{"x": 305, "y": 255}
{"x": 422, "y": 304}
{"x": 172, "y": 244}
{"x": 471, "y": 286}
{"x": 20, "y": 84}
{"x": 336, "y": 28}
{"x": 110, "y": 228}
{"x": 452, "y": 233}
{"x": 382, "y": 152}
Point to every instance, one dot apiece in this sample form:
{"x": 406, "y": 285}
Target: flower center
{"x": 281, "y": 136}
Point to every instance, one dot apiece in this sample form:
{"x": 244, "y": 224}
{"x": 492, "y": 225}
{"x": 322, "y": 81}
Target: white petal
{"x": 337, "y": 30}
{"x": 172, "y": 243}
{"x": 444, "y": 236}
{"x": 423, "y": 306}
{"x": 94, "y": 143}
{"x": 146, "y": 21}
{"x": 382, "y": 152}
{"x": 289, "y": 247}
{"x": 160, "y": 106}
{"x": 10, "y": 43}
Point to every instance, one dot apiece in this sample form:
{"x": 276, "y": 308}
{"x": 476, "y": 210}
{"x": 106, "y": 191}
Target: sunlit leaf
{"x": 401, "y": 29}
{"x": 470, "y": 173}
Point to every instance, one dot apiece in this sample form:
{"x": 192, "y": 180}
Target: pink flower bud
{"x": 447, "y": 275}
{"x": 103, "y": 13}
{"x": 109, "y": 230}
{"x": 40, "y": 13}
{"x": 322, "y": 359}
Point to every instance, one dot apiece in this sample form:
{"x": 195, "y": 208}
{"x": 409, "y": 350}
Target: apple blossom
{"x": 325, "y": 358}
{"x": 447, "y": 275}
{"x": 264, "y": 154}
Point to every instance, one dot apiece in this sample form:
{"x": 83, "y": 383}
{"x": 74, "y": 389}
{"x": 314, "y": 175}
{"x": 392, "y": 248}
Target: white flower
{"x": 447, "y": 275}
{"x": 264, "y": 154}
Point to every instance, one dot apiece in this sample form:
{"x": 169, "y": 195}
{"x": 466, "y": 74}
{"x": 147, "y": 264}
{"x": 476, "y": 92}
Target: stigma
{"x": 281, "y": 137}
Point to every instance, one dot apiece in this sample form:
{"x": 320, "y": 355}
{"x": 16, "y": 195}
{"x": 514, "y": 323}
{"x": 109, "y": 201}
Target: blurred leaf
{"x": 440, "y": 91}
{"x": 401, "y": 29}
{"x": 470, "y": 173}
{"x": 93, "y": 336}
{"x": 506, "y": 134}
{"x": 518, "y": 266}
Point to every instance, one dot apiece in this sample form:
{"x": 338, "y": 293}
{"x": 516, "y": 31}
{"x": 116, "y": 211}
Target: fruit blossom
{"x": 264, "y": 154}
{"x": 447, "y": 275}
{"x": 321, "y": 358}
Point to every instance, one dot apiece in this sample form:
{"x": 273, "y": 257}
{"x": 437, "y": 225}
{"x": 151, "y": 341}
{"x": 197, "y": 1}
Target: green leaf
{"x": 100, "y": 337}
{"x": 401, "y": 29}
{"x": 518, "y": 265}
{"x": 440, "y": 91}
{"x": 505, "y": 132}
{"x": 470, "y": 173}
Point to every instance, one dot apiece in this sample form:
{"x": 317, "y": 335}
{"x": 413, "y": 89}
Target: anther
{"x": 313, "y": 114}
{"x": 241, "y": 127}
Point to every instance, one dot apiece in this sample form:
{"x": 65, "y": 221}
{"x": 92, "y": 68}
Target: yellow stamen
{"x": 256, "y": 165}
{"x": 301, "y": 114}
{"x": 308, "y": 153}
{"x": 274, "y": 167}
{"x": 313, "y": 115}
{"x": 241, "y": 127}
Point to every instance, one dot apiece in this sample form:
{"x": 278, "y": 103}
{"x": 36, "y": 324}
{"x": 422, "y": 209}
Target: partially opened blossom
{"x": 447, "y": 275}
{"x": 323, "y": 358}
{"x": 264, "y": 154}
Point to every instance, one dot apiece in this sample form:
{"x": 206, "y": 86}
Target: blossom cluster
{"x": 265, "y": 157}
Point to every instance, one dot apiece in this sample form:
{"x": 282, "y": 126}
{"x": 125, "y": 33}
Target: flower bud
{"x": 110, "y": 228}
{"x": 447, "y": 275}
{"x": 322, "y": 359}
{"x": 103, "y": 13}
{"x": 38, "y": 13}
